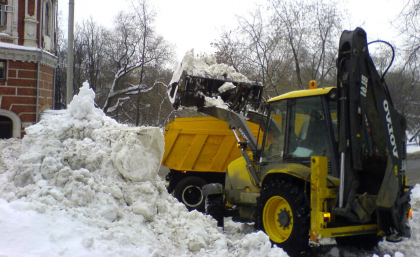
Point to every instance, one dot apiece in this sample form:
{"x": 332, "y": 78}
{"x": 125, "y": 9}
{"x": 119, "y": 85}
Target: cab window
{"x": 307, "y": 135}
{"x": 274, "y": 135}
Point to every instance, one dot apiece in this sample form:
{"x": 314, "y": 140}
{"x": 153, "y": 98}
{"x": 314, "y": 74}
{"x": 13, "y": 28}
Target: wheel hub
{"x": 283, "y": 217}
{"x": 278, "y": 219}
{"x": 192, "y": 196}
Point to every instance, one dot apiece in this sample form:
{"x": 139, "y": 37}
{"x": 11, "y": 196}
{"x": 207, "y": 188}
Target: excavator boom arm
{"x": 370, "y": 131}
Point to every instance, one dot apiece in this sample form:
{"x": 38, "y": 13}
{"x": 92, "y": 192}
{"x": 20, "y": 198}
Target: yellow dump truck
{"x": 197, "y": 152}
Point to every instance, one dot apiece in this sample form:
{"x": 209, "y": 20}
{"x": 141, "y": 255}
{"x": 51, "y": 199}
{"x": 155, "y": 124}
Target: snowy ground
{"x": 80, "y": 184}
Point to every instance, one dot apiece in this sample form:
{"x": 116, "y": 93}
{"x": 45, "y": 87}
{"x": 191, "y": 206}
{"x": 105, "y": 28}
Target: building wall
{"x": 18, "y": 94}
{"x": 29, "y": 84}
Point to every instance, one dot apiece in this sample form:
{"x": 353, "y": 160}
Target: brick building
{"x": 27, "y": 62}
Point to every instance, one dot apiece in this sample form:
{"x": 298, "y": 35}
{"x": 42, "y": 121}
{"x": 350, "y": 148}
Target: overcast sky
{"x": 196, "y": 23}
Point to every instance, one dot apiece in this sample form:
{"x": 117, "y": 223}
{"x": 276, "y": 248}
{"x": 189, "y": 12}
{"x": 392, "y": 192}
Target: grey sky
{"x": 196, "y": 23}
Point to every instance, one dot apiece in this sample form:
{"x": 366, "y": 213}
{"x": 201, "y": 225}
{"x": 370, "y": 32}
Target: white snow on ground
{"x": 408, "y": 247}
{"x": 80, "y": 184}
{"x": 413, "y": 148}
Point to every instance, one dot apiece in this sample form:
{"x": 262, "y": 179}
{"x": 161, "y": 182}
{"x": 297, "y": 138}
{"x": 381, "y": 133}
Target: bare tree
{"x": 290, "y": 21}
{"x": 408, "y": 88}
{"x": 124, "y": 57}
{"x": 256, "y": 50}
{"x": 408, "y": 23}
{"x": 93, "y": 38}
{"x": 153, "y": 48}
{"x": 323, "y": 41}
{"x": 264, "y": 51}
{"x": 311, "y": 30}
{"x": 136, "y": 50}
{"x": 285, "y": 44}
{"x": 79, "y": 56}
{"x": 127, "y": 66}
{"x": 61, "y": 70}
{"x": 228, "y": 50}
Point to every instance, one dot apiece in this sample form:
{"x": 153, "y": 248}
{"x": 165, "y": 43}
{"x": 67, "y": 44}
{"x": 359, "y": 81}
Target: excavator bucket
{"x": 196, "y": 91}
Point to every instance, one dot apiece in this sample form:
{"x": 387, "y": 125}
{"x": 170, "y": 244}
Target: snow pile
{"x": 226, "y": 86}
{"x": 80, "y": 184}
{"x": 413, "y": 149}
{"x": 206, "y": 67}
{"x": 215, "y": 101}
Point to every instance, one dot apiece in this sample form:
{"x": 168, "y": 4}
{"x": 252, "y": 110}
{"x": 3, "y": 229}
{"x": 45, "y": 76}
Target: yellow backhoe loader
{"x": 331, "y": 162}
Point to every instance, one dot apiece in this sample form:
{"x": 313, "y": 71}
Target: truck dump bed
{"x": 200, "y": 144}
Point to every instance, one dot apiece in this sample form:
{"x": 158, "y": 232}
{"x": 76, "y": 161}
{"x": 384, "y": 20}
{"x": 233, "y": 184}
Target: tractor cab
{"x": 301, "y": 124}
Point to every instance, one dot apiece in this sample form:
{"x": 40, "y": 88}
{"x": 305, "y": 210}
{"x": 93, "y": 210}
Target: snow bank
{"x": 413, "y": 149}
{"x": 80, "y": 184}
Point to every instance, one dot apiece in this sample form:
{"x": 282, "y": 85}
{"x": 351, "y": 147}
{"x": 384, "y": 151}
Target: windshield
{"x": 308, "y": 130}
{"x": 307, "y": 133}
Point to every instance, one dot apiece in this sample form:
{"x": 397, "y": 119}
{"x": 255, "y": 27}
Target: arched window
{"x": 10, "y": 124}
{"x": 6, "y": 127}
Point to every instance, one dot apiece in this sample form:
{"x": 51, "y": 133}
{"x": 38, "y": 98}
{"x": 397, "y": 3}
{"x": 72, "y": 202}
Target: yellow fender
{"x": 298, "y": 171}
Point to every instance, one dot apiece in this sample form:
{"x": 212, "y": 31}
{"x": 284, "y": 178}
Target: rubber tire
{"x": 362, "y": 242}
{"x": 215, "y": 208}
{"x": 297, "y": 244}
{"x": 191, "y": 185}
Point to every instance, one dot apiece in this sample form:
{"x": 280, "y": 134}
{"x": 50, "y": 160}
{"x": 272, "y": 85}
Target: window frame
{"x": 265, "y": 155}
{"x": 48, "y": 12}
{"x": 4, "y": 68}
{"x": 305, "y": 127}
{"x": 2, "y": 14}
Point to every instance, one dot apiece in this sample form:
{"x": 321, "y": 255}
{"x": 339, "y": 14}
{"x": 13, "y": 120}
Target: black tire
{"x": 215, "y": 208}
{"x": 189, "y": 192}
{"x": 282, "y": 212}
{"x": 395, "y": 220}
{"x": 363, "y": 242}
